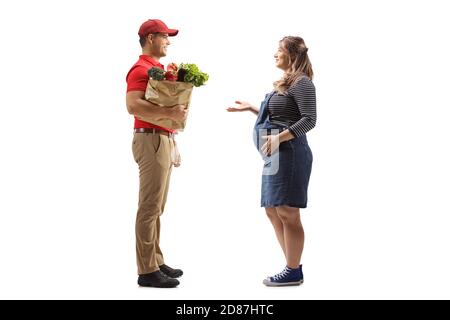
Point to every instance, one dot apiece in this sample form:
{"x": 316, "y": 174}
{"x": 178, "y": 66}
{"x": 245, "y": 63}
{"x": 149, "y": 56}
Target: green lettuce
{"x": 189, "y": 72}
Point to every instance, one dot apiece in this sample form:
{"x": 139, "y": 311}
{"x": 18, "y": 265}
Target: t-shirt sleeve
{"x": 304, "y": 94}
{"x": 137, "y": 79}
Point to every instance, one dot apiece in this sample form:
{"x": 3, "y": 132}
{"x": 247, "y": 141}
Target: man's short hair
{"x": 142, "y": 41}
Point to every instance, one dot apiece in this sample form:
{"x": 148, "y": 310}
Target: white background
{"x": 378, "y": 214}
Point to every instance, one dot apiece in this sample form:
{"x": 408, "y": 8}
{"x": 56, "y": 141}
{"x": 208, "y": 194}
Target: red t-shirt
{"x": 137, "y": 79}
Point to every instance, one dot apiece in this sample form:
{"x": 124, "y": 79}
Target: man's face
{"x": 159, "y": 43}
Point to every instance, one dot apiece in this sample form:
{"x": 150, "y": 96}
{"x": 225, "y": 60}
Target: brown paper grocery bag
{"x": 168, "y": 94}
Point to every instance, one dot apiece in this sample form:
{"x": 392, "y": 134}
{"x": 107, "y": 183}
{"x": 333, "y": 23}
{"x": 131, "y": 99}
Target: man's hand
{"x": 178, "y": 113}
{"x": 176, "y": 158}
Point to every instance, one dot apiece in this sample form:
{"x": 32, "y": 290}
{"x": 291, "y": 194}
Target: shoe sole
{"x": 164, "y": 287}
{"x": 285, "y": 284}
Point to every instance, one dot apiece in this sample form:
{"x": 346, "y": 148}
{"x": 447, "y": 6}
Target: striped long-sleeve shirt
{"x": 297, "y": 109}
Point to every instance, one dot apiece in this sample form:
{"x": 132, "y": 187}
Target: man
{"x": 152, "y": 151}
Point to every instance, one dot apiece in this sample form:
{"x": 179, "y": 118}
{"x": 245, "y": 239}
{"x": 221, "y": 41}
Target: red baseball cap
{"x": 155, "y": 26}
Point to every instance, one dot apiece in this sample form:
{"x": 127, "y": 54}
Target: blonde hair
{"x": 298, "y": 62}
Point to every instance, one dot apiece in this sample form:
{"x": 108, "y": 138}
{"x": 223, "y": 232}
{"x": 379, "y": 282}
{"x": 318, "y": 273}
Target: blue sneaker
{"x": 287, "y": 277}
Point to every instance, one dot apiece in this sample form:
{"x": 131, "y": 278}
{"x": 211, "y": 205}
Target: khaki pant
{"x": 152, "y": 152}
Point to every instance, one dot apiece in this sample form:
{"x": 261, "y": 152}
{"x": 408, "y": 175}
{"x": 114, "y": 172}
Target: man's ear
{"x": 150, "y": 38}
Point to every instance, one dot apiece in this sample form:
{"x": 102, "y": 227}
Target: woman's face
{"x": 281, "y": 59}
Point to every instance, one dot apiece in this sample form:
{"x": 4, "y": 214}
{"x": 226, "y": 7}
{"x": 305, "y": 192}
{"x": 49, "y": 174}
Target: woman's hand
{"x": 241, "y": 106}
{"x": 271, "y": 145}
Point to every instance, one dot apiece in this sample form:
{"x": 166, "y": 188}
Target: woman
{"x": 285, "y": 116}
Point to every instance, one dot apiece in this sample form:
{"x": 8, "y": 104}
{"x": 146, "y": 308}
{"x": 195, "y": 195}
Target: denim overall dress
{"x": 286, "y": 172}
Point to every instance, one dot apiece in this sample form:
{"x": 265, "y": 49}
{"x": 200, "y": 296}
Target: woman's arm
{"x": 304, "y": 94}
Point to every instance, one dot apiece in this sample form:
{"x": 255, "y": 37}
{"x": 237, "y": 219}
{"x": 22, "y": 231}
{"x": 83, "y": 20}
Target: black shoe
{"x": 157, "y": 279}
{"x": 168, "y": 271}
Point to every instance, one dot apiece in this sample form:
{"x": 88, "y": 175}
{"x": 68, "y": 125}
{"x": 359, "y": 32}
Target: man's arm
{"x": 138, "y": 106}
